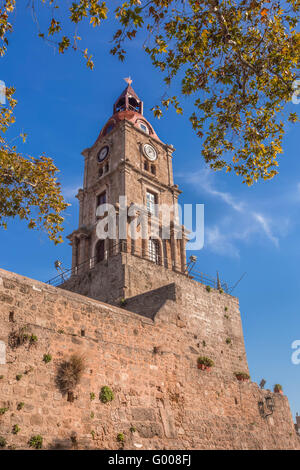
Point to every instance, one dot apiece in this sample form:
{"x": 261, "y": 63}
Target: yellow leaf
{"x": 264, "y": 12}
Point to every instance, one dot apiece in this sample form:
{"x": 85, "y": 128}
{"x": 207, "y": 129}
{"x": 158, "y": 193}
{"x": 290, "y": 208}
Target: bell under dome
{"x": 128, "y": 106}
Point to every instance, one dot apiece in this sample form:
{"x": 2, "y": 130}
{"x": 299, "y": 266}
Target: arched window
{"x": 153, "y": 250}
{"x": 109, "y": 128}
{"x": 143, "y": 126}
{"x": 99, "y": 251}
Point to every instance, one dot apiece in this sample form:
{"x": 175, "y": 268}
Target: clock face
{"x": 150, "y": 152}
{"x": 103, "y": 153}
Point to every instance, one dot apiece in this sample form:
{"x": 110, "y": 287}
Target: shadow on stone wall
{"x": 149, "y": 303}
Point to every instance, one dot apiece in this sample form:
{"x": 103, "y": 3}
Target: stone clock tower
{"x": 127, "y": 160}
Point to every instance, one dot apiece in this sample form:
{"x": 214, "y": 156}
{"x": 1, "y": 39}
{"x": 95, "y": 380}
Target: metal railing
{"x": 208, "y": 281}
{"x": 122, "y": 247}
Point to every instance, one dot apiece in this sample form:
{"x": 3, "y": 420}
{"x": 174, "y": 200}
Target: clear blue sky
{"x": 63, "y": 105}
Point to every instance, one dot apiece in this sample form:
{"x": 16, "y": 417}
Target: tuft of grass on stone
{"x": 120, "y": 437}
{"x": 2, "y": 442}
{"x": 20, "y": 406}
{"x": 208, "y": 288}
{"x": 47, "y": 358}
{"x": 33, "y": 339}
{"x": 106, "y": 394}
{"x": 16, "y": 429}
{"x": 3, "y": 410}
{"x": 92, "y": 396}
{"x": 18, "y": 377}
{"x": 18, "y": 338}
{"x": 36, "y": 442}
{"x": 70, "y": 373}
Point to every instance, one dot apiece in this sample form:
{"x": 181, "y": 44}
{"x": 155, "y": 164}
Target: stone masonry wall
{"x": 162, "y": 401}
{"x": 104, "y": 282}
{"x": 211, "y": 321}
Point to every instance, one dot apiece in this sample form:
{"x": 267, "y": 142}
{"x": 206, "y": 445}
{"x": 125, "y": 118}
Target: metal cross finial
{"x": 128, "y": 80}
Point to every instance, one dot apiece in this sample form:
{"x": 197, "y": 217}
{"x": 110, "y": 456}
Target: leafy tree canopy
{"x": 237, "y": 58}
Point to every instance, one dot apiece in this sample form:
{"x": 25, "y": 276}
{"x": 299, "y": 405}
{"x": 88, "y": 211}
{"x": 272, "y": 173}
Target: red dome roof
{"x": 134, "y": 117}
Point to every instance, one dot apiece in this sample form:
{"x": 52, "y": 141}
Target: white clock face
{"x": 150, "y": 152}
{"x": 103, "y": 153}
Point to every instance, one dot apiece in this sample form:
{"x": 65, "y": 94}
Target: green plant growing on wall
{"x": 123, "y": 302}
{"x": 18, "y": 338}
{"x": 133, "y": 429}
{"x": 1, "y": 377}
{"x": 228, "y": 341}
{"x": 208, "y": 288}
{"x": 3, "y": 410}
{"x": 204, "y": 363}
{"x": 18, "y": 377}
{"x": 226, "y": 309}
{"x": 69, "y": 373}
{"x": 203, "y": 343}
{"x": 15, "y": 429}
{"x": 47, "y": 358}
{"x": 2, "y": 442}
{"x": 242, "y": 376}
{"x": 20, "y": 406}
{"x": 92, "y": 396}
{"x": 221, "y": 291}
{"x": 92, "y": 414}
{"x": 106, "y": 394}
{"x": 226, "y": 316}
{"x": 60, "y": 332}
{"x": 36, "y": 442}
{"x": 277, "y": 388}
{"x": 33, "y": 339}
{"x": 120, "y": 437}
{"x": 93, "y": 435}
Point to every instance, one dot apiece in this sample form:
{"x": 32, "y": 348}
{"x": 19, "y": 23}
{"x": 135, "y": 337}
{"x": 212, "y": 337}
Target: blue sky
{"x": 62, "y": 106}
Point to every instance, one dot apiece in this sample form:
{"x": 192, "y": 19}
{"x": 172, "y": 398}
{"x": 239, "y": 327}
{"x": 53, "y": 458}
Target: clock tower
{"x": 130, "y": 169}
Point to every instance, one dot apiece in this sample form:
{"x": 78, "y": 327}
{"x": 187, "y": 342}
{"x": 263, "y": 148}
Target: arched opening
{"x": 109, "y": 128}
{"x": 154, "y": 251}
{"x": 143, "y": 126}
{"x": 99, "y": 251}
{"x": 120, "y": 105}
{"x": 133, "y": 104}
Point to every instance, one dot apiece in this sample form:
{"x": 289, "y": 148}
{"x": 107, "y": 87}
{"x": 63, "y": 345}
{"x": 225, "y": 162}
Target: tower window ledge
{"x": 154, "y": 217}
